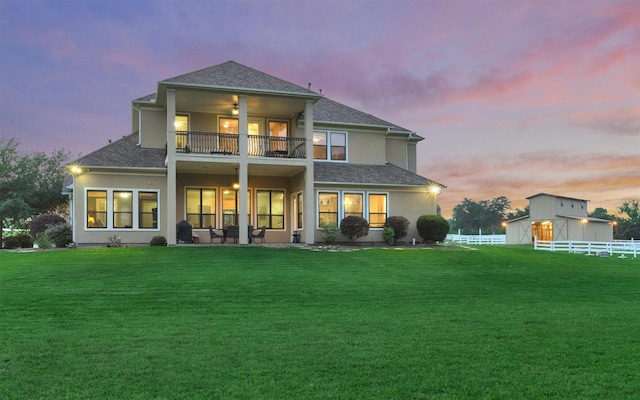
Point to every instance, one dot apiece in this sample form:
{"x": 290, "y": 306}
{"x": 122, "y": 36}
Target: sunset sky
{"x": 513, "y": 97}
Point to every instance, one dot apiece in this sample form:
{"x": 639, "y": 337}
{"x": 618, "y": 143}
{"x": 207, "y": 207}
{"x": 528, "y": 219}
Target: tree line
{"x": 30, "y": 184}
{"x": 471, "y": 217}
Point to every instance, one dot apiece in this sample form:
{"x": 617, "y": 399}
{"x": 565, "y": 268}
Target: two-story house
{"x": 557, "y": 218}
{"x": 230, "y": 145}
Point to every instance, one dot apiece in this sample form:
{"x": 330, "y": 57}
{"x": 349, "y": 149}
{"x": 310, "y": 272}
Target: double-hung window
{"x": 123, "y": 209}
{"x": 327, "y": 208}
{"x": 201, "y": 207}
{"x": 96, "y": 209}
{"x": 352, "y": 204}
{"x": 377, "y": 210}
{"x": 270, "y": 209}
{"x": 330, "y": 145}
{"x": 148, "y": 210}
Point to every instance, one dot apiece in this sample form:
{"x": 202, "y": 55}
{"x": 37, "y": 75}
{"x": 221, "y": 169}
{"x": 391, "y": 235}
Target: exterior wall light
{"x": 235, "y": 110}
{"x": 435, "y": 189}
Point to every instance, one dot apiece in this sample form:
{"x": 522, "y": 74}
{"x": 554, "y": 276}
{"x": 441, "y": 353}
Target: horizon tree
{"x": 30, "y": 184}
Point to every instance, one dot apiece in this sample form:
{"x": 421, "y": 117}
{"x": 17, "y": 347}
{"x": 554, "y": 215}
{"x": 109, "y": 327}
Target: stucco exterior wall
{"x": 396, "y": 152}
{"x": 153, "y": 128}
{"x": 406, "y": 202}
{"x": 365, "y": 147}
{"x": 117, "y": 181}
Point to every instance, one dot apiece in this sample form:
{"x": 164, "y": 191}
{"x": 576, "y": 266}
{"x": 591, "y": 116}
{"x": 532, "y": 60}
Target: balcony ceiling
{"x": 221, "y": 103}
{"x": 229, "y": 168}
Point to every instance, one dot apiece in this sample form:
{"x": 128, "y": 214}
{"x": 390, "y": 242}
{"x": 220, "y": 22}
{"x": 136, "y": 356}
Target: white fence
{"x": 477, "y": 239}
{"x": 622, "y": 247}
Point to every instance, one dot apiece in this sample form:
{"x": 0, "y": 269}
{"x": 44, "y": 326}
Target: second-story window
{"x": 330, "y": 146}
{"x": 181, "y": 125}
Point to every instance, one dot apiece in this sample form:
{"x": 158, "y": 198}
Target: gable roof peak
{"x": 234, "y": 75}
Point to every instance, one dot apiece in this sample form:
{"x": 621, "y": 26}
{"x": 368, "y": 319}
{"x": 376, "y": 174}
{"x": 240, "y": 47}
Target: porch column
{"x": 171, "y": 168}
{"x": 309, "y": 198}
{"x": 243, "y": 147}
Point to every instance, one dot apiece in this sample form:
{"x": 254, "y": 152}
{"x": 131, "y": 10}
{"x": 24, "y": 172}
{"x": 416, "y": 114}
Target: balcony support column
{"x": 309, "y": 198}
{"x": 243, "y": 179}
{"x": 171, "y": 168}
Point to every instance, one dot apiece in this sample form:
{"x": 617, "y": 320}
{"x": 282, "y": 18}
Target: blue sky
{"x": 513, "y": 97}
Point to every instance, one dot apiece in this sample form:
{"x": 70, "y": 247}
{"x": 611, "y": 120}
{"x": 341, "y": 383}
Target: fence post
{"x": 535, "y": 243}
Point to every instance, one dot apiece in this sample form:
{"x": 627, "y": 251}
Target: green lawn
{"x": 235, "y": 322}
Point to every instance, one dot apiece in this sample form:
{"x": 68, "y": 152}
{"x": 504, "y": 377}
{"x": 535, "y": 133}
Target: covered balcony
{"x": 228, "y": 144}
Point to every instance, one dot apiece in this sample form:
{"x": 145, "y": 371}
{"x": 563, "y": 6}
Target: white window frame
{"x": 135, "y": 215}
{"x": 346, "y": 146}
{"x": 365, "y": 206}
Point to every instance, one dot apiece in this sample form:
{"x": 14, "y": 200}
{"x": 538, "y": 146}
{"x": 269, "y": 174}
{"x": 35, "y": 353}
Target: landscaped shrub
{"x": 432, "y": 228}
{"x": 60, "y": 234}
{"x": 329, "y": 231}
{"x": 11, "y": 243}
{"x": 400, "y": 226}
{"x": 158, "y": 241}
{"x": 39, "y": 223}
{"x": 24, "y": 241}
{"x": 114, "y": 241}
{"x": 388, "y": 234}
{"x": 354, "y": 227}
{"x": 43, "y": 241}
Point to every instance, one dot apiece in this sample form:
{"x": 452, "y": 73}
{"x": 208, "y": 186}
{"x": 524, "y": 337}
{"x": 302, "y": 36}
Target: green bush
{"x": 114, "y": 241}
{"x": 60, "y": 234}
{"x": 25, "y": 241}
{"x": 400, "y": 226}
{"x": 329, "y": 232}
{"x": 43, "y": 241}
{"x": 11, "y": 243}
{"x": 39, "y": 223}
{"x": 388, "y": 234}
{"x": 354, "y": 227}
{"x": 432, "y": 228}
{"x": 158, "y": 241}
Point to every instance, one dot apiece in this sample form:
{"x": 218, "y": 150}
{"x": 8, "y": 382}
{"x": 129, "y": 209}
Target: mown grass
{"x": 264, "y": 323}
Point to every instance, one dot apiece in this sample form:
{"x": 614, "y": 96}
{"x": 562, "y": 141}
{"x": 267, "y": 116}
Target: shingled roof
{"x": 387, "y": 174}
{"x": 327, "y": 110}
{"x": 124, "y": 153}
{"x": 237, "y": 76}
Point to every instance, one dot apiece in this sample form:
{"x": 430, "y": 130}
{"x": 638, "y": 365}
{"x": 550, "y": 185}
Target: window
{"x": 299, "y": 210}
{"x": 230, "y": 207}
{"x": 123, "y": 209}
{"x": 336, "y": 142}
{"x": 352, "y": 204}
{"x": 97, "y": 209}
{"x": 278, "y": 128}
{"x": 201, "y": 208}
{"x": 230, "y": 125}
{"x": 119, "y": 209}
{"x": 181, "y": 125}
{"x": 270, "y": 209}
{"x": 377, "y": 210}
{"x": 147, "y": 210}
{"x": 327, "y": 208}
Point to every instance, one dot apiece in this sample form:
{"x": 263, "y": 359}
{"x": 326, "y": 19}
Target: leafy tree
{"x": 470, "y": 216}
{"x": 628, "y": 227}
{"x": 601, "y": 213}
{"x": 30, "y": 184}
{"x": 518, "y": 212}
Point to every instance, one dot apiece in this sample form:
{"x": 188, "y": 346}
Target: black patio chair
{"x": 233, "y": 232}
{"x": 259, "y": 235}
{"x": 215, "y": 235}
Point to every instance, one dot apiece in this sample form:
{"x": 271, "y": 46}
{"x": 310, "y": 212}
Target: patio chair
{"x": 259, "y": 235}
{"x": 233, "y": 232}
{"x": 215, "y": 235}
